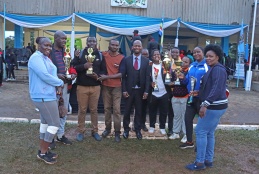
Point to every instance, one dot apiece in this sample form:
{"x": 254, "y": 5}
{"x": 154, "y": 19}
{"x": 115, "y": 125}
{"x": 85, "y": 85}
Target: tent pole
{"x": 72, "y": 45}
{"x": 4, "y": 69}
{"x": 249, "y": 72}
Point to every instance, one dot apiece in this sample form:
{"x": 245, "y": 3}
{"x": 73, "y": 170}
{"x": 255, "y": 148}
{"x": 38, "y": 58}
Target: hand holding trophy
{"x": 156, "y": 89}
{"x": 90, "y": 58}
{"x": 67, "y": 61}
{"x": 178, "y": 64}
{"x": 193, "y": 83}
{"x": 167, "y": 65}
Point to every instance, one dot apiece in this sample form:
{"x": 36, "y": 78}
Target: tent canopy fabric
{"x": 125, "y": 24}
{"x": 214, "y": 30}
{"x": 34, "y": 21}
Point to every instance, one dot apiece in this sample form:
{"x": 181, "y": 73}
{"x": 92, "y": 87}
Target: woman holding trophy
{"x": 179, "y": 100}
{"x": 192, "y": 79}
{"x": 214, "y": 104}
{"x": 159, "y": 97}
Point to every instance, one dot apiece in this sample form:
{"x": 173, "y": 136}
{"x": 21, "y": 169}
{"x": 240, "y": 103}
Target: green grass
{"x": 236, "y": 152}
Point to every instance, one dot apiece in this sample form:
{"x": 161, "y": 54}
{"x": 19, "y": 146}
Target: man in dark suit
{"x": 135, "y": 86}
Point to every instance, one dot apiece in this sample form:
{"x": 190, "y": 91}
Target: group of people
{"x": 200, "y": 90}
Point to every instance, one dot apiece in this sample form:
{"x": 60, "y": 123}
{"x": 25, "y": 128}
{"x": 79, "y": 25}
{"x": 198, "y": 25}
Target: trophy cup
{"x": 156, "y": 74}
{"x": 193, "y": 83}
{"x": 67, "y": 61}
{"x": 167, "y": 65}
{"x": 178, "y": 64}
{"x": 90, "y": 58}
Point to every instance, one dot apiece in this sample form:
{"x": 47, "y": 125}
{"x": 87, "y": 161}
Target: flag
{"x": 241, "y": 44}
{"x": 161, "y": 33}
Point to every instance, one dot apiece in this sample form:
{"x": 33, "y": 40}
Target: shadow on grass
{"x": 236, "y": 152}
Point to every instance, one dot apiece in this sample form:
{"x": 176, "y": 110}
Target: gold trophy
{"x": 178, "y": 64}
{"x": 193, "y": 83}
{"x": 90, "y": 58}
{"x": 67, "y": 61}
{"x": 156, "y": 89}
{"x": 167, "y": 65}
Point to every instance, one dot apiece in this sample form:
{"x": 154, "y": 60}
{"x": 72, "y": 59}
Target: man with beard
{"x": 88, "y": 87}
{"x": 135, "y": 86}
{"x": 111, "y": 89}
{"x": 57, "y": 55}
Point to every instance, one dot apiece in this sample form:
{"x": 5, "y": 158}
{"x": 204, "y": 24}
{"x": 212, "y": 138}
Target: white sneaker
{"x": 8, "y": 79}
{"x": 151, "y": 130}
{"x": 174, "y": 136}
{"x": 162, "y": 131}
{"x": 184, "y": 139}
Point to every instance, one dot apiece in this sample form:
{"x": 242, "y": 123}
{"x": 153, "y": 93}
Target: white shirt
{"x": 159, "y": 80}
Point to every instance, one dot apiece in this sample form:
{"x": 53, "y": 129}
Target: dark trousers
{"x": 156, "y": 103}
{"x": 1, "y": 76}
{"x": 134, "y": 99}
{"x": 191, "y": 111}
{"x": 170, "y": 114}
{"x": 144, "y": 113}
{"x": 11, "y": 71}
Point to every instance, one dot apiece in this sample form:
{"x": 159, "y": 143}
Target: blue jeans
{"x": 205, "y": 138}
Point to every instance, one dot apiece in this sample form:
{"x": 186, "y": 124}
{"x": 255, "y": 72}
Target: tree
{"x": 9, "y": 41}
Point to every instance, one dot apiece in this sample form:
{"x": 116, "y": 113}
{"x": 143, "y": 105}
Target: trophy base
{"x": 89, "y": 72}
{"x": 167, "y": 81}
{"x": 68, "y": 76}
{"x": 177, "y": 83}
{"x": 156, "y": 90}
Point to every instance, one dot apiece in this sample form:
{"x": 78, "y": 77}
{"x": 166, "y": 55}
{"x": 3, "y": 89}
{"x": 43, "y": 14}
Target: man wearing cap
{"x": 135, "y": 36}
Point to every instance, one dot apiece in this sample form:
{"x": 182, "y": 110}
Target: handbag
{"x": 61, "y": 108}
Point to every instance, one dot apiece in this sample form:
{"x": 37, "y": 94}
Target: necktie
{"x": 136, "y": 63}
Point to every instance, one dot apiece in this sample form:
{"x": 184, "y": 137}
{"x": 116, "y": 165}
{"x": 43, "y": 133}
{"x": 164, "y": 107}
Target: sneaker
{"x": 53, "y": 155}
{"x": 52, "y": 145}
{"x": 174, "y": 136}
{"x": 194, "y": 166}
{"x": 162, "y": 131}
{"x": 47, "y": 158}
{"x": 184, "y": 139}
{"x": 8, "y": 79}
{"x": 186, "y": 145}
{"x": 96, "y": 136}
{"x": 64, "y": 140}
{"x": 151, "y": 130}
{"x": 208, "y": 164}
{"x": 79, "y": 137}
{"x": 106, "y": 133}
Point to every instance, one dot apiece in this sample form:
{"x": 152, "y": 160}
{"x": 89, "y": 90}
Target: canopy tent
{"x": 125, "y": 24}
{"x": 34, "y": 21}
{"x": 215, "y": 30}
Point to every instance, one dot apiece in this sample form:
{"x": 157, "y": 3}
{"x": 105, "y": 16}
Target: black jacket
{"x": 128, "y": 74}
{"x": 82, "y": 78}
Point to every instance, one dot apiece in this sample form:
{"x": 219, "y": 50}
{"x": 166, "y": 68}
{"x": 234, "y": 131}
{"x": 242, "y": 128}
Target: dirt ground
{"x": 15, "y": 102}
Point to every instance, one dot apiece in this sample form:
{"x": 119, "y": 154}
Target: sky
{"x": 9, "y": 33}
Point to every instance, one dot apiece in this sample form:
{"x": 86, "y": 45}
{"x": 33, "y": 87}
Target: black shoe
{"x": 46, "y": 158}
{"x": 52, "y": 145}
{"x": 106, "y": 133}
{"x": 64, "y": 140}
{"x": 126, "y": 134}
{"x": 144, "y": 128}
{"x": 96, "y": 136}
{"x": 117, "y": 137}
{"x": 53, "y": 155}
{"x": 139, "y": 135}
{"x": 186, "y": 145}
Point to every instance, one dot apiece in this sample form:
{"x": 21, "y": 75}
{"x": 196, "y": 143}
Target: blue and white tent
{"x": 215, "y": 30}
{"x": 34, "y": 21}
